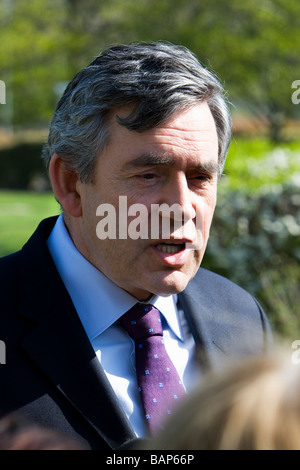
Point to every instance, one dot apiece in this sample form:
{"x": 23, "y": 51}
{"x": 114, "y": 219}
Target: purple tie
{"x": 158, "y": 380}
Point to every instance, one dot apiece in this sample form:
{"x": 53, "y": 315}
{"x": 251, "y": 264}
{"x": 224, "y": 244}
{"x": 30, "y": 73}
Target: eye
{"x": 201, "y": 180}
{"x": 148, "y": 176}
{"x": 202, "y": 177}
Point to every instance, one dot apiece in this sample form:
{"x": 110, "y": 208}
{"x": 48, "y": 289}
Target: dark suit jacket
{"x": 52, "y": 375}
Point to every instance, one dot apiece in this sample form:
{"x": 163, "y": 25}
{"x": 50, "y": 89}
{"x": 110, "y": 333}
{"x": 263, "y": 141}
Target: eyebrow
{"x": 153, "y": 159}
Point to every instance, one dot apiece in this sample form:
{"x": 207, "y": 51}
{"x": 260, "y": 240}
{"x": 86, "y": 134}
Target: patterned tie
{"x": 158, "y": 380}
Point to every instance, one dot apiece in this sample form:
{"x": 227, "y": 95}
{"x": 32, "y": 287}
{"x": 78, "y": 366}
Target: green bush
{"x": 21, "y": 167}
{"x": 255, "y": 241}
{"x": 253, "y": 164}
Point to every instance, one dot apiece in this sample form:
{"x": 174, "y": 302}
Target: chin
{"x": 172, "y": 284}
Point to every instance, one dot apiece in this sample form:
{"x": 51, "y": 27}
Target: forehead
{"x": 188, "y": 134}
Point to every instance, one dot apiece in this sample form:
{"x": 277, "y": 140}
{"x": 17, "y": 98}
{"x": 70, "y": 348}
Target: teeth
{"x": 169, "y": 248}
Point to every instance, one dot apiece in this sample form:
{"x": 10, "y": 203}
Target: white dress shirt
{"x": 100, "y": 303}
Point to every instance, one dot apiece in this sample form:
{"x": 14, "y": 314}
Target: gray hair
{"x": 159, "y": 78}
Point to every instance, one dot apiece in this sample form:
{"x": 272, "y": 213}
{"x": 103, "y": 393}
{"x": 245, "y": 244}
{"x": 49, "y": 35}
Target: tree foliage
{"x": 255, "y": 242}
{"x": 252, "y": 45}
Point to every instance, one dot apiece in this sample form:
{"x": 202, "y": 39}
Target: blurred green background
{"x": 254, "y": 48}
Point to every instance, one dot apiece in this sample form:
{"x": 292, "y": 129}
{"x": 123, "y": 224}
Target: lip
{"x": 175, "y": 260}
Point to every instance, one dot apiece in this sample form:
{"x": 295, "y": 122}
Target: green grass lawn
{"x": 20, "y": 213}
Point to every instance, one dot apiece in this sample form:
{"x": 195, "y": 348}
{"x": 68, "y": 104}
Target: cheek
{"x": 90, "y": 220}
{"x": 205, "y": 210}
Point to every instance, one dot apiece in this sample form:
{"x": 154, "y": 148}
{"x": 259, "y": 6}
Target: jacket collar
{"x": 207, "y": 322}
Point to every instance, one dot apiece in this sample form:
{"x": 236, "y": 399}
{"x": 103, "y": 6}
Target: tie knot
{"x": 141, "y": 321}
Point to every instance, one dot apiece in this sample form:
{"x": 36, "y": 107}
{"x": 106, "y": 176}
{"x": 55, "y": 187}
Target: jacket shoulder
{"x": 224, "y": 309}
{"x": 8, "y": 267}
{"x": 216, "y": 283}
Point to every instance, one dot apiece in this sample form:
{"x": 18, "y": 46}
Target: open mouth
{"x": 170, "y": 248}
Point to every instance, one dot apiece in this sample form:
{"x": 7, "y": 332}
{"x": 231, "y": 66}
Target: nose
{"x": 179, "y": 196}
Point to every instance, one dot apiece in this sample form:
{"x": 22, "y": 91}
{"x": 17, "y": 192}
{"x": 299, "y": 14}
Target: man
{"x": 140, "y": 136}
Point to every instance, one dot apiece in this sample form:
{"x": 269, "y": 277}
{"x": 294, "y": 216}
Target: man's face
{"x": 175, "y": 163}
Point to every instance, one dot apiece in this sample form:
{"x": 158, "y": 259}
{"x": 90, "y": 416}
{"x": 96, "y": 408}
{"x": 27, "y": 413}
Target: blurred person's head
{"x": 17, "y": 433}
{"x": 250, "y": 405}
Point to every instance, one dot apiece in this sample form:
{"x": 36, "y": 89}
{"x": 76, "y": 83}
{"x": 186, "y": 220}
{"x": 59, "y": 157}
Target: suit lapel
{"x": 211, "y": 333}
{"x": 59, "y": 346}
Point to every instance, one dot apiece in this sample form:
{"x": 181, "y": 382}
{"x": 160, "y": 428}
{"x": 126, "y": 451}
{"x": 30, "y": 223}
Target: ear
{"x": 64, "y": 183}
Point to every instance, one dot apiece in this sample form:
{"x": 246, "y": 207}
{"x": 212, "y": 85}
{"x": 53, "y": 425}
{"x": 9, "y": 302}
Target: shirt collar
{"x": 167, "y": 306}
{"x": 92, "y": 292}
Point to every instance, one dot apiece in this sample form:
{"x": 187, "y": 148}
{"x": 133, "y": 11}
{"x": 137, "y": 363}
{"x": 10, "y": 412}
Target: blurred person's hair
{"x": 251, "y": 405}
{"x": 158, "y": 79}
